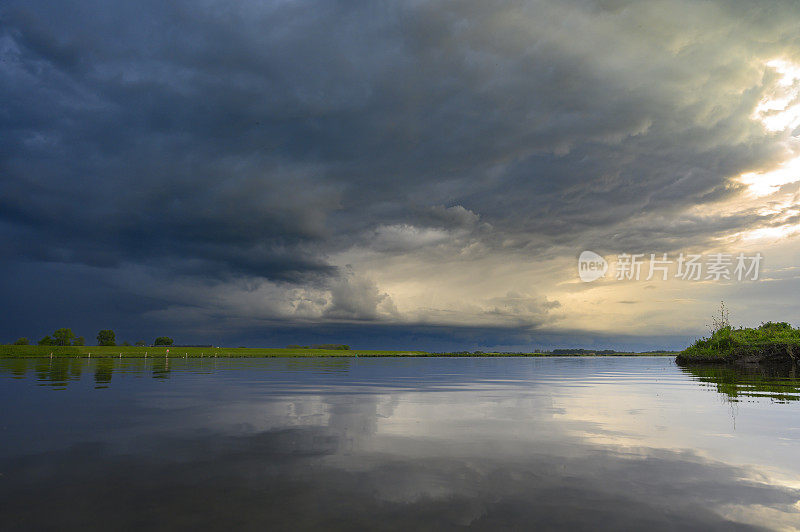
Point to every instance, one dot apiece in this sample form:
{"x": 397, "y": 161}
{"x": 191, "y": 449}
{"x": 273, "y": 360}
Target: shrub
{"x": 106, "y": 337}
{"x": 63, "y": 336}
{"x": 163, "y": 341}
{"x": 727, "y": 342}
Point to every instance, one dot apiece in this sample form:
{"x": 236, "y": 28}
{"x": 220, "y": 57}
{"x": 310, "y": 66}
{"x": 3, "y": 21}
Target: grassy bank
{"x": 38, "y": 351}
{"x": 771, "y": 342}
{"x": 191, "y": 352}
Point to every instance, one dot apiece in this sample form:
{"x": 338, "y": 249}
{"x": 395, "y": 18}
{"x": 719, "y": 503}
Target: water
{"x": 396, "y": 444}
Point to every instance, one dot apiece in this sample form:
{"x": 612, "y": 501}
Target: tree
{"x": 126, "y": 343}
{"x": 22, "y": 341}
{"x": 106, "y": 337}
{"x": 163, "y": 340}
{"x": 47, "y": 341}
{"x": 63, "y": 336}
{"x": 139, "y": 343}
{"x": 80, "y": 340}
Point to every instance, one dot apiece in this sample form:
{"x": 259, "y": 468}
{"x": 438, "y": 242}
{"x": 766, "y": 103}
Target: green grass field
{"x": 38, "y": 351}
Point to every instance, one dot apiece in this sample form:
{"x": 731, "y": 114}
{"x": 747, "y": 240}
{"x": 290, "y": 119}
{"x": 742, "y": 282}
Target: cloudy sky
{"x": 410, "y": 174}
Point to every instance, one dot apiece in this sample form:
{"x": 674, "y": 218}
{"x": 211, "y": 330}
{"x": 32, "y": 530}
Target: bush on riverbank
{"x": 770, "y": 342}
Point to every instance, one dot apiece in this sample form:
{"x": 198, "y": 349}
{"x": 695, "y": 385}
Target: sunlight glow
{"x": 762, "y": 184}
{"x": 780, "y": 109}
{"x": 772, "y": 233}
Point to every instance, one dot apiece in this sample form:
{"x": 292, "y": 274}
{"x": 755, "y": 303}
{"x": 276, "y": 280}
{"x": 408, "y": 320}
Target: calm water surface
{"x": 396, "y": 444}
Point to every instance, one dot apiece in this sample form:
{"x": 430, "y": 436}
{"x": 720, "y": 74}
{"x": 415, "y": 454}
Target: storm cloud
{"x": 292, "y": 164}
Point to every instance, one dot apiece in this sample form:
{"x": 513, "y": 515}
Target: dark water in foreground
{"x": 398, "y": 444}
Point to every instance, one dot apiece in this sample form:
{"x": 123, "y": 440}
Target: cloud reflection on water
{"x": 504, "y": 443}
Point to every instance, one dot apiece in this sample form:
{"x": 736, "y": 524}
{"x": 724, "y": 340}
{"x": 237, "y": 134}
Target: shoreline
{"x": 71, "y": 352}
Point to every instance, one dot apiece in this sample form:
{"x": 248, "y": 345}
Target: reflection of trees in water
{"x": 779, "y": 382}
{"x": 16, "y": 367}
{"x": 104, "y": 368}
{"x": 59, "y": 372}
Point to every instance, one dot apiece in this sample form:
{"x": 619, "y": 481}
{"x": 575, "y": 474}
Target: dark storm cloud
{"x": 124, "y": 148}
{"x": 252, "y": 140}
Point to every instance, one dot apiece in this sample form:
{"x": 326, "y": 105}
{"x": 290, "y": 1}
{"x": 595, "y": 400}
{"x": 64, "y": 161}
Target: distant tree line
{"x": 319, "y": 346}
{"x": 106, "y": 337}
{"x": 62, "y": 336}
{"x": 583, "y": 352}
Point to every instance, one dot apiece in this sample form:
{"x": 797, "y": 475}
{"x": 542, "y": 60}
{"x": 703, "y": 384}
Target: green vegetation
{"x": 33, "y": 351}
{"x": 770, "y": 342}
{"x": 64, "y": 344}
{"x": 319, "y": 346}
{"x": 163, "y": 341}
{"x": 583, "y": 352}
{"x": 47, "y": 340}
{"x": 106, "y": 337}
{"x": 61, "y": 337}
{"x": 602, "y": 352}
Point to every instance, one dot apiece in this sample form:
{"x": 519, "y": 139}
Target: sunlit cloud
{"x": 780, "y": 110}
{"x": 762, "y": 184}
{"x": 772, "y": 233}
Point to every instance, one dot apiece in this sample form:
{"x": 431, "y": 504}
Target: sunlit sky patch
{"x": 780, "y": 110}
